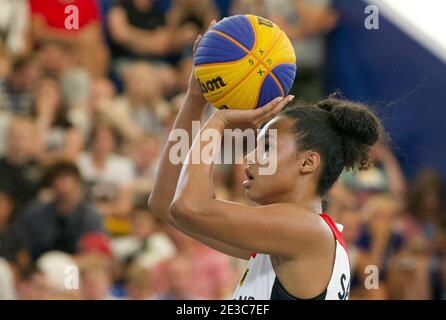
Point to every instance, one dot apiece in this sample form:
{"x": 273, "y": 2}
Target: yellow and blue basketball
{"x": 243, "y": 62}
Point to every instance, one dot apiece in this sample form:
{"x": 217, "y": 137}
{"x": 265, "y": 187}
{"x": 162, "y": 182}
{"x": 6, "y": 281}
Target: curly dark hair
{"x": 341, "y": 131}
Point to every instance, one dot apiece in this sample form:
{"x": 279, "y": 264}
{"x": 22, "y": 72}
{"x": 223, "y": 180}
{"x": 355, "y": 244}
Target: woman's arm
{"x": 167, "y": 176}
{"x": 266, "y": 229}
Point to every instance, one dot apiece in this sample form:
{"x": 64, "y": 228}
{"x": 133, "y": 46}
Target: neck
{"x": 303, "y": 196}
{"x": 311, "y": 202}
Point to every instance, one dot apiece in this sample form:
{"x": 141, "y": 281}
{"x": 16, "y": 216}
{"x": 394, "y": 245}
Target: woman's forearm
{"x": 167, "y": 176}
{"x": 196, "y": 179}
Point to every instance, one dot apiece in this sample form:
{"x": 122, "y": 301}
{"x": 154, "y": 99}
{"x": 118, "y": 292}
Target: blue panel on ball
{"x": 285, "y": 73}
{"x": 239, "y": 28}
{"x": 215, "y": 48}
{"x": 268, "y": 91}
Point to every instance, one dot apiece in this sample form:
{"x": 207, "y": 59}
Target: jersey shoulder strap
{"x": 335, "y": 229}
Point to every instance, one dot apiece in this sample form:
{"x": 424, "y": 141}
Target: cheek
{"x": 286, "y": 176}
{"x": 283, "y": 179}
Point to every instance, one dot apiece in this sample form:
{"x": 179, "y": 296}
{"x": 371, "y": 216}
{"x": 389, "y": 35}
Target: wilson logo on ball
{"x": 211, "y": 85}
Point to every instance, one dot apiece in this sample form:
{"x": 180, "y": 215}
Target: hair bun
{"x": 352, "y": 120}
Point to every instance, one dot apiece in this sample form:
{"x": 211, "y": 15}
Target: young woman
{"x": 295, "y": 251}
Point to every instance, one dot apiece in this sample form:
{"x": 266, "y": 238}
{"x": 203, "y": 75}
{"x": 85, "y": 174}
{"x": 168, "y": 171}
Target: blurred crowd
{"x": 86, "y": 104}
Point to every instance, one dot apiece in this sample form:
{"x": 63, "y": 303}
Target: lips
{"x": 249, "y": 178}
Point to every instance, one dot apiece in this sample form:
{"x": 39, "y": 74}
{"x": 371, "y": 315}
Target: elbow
{"x": 184, "y": 213}
{"x": 154, "y": 204}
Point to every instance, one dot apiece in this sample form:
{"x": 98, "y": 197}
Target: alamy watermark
{"x": 371, "y": 22}
{"x": 72, "y": 277}
{"x": 236, "y": 142}
{"x": 72, "y": 18}
{"x": 371, "y": 281}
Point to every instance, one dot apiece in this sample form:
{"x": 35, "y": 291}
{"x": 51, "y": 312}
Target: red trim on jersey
{"x": 253, "y": 255}
{"x": 337, "y": 234}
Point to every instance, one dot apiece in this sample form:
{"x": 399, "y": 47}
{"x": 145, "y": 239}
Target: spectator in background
{"x": 60, "y": 140}
{"x": 142, "y": 98}
{"x": 139, "y": 110}
{"x": 49, "y": 20}
{"x": 384, "y": 176}
{"x": 256, "y": 7}
{"x": 20, "y": 173}
{"x": 139, "y": 32}
{"x": 14, "y": 27}
{"x": 11, "y": 245}
{"x": 178, "y": 276}
{"x": 344, "y": 208}
{"x": 424, "y": 226}
{"x": 380, "y": 243}
{"x": 145, "y": 154}
{"x": 94, "y": 243}
{"x": 109, "y": 176}
{"x": 59, "y": 271}
{"x": 32, "y": 285}
{"x": 17, "y": 93}
{"x": 189, "y": 18}
{"x": 426, "y": 204}
{"x": 95, "y": 278}
{"x": 212, "y": 267}
{"x": 147, "y": 245}
{"x": 305, "y": 22}
{"x": 138, "y": 283}
{"x": 60, "y": 223}
{"x": 56, "y": 60}
{"x": 104, "y": 109}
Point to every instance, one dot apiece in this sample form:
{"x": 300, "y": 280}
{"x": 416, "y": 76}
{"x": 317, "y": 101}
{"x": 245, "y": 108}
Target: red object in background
{"x": 95, "y": 242}
{"x": 53, "y": 11}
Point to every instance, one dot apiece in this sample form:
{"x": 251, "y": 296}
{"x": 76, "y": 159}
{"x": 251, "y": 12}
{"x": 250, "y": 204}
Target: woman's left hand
{"x": 255, "y": 118}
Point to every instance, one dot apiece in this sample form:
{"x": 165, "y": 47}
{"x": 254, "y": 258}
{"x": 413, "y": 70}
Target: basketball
{"x": 243, "y": 62}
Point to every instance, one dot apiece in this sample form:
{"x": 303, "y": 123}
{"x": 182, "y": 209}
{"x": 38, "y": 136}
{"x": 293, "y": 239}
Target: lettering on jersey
{"x": 244, "y": 277}
{"x": 245, "y": 298}
{"x": 343, "y": 295}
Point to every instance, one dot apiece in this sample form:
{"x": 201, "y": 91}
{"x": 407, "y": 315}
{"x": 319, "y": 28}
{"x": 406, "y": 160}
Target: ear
{"x": 310, "y": 162}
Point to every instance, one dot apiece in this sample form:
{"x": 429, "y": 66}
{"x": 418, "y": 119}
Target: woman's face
{"x": 281, "y": 184}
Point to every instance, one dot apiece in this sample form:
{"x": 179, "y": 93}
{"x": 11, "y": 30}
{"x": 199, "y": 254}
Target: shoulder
{"x": 88, "y": 210}
{"x": 304, "y": 224}
{"x": 37, "y": 211}
{"x": 89, "y": 215}
{"x": 302, "y": 216}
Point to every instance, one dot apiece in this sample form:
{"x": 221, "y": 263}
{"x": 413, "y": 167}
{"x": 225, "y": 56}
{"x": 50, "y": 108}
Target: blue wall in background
{"x": 404, "y": 82}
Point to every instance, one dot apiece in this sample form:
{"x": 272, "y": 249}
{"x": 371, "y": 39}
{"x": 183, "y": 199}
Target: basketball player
{"x": 295, "y": 251}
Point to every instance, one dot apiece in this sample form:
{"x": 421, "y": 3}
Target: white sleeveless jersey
{"x": 259, "y": 281}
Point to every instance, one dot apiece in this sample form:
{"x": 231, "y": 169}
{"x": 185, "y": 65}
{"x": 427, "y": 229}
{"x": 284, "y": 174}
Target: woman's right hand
{"x": 194, "y": 89}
